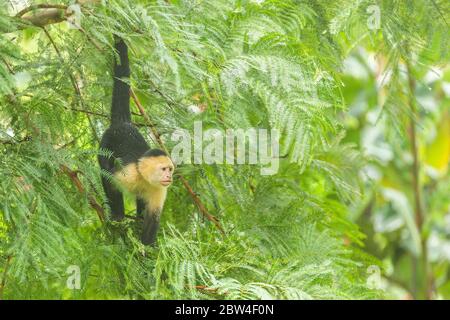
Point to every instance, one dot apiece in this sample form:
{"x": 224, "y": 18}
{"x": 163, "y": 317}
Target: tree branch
{"x": 40, "y": 6}
{"x": 201, "y": 207}
{"x": 73, "y": 175}
{"x": 7, "y": 66}
{"x": 41, "y": 15}
{"x": 147, "y": 118}
{"x": 45, "y": 17}
{"x": 418, "y": 204}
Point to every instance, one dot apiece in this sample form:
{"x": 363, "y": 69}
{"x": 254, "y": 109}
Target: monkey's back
{"x": 125, "y": 142}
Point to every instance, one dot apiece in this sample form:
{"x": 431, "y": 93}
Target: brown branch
{"x": 73, "y": 175}
{"x": 418, "y": 204}
{"x": 147, "y": 118}
{"x": 206, "y": 288}
{"x": 201, "y": 207}
{"x": 191, "y": 192}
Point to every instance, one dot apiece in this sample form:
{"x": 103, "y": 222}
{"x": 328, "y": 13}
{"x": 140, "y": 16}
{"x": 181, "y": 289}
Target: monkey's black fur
{"x": 122, "y": 138}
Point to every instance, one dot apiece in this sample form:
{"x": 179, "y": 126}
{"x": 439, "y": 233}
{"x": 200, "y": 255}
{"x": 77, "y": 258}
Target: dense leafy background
{"x": 343, "y": 94}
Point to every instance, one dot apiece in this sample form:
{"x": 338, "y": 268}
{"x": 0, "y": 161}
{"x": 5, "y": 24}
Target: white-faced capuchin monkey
{"x": 145, "y": 172}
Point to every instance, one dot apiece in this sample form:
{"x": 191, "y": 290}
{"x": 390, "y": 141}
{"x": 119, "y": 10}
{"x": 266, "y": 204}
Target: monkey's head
{"x": 156, "y": 168}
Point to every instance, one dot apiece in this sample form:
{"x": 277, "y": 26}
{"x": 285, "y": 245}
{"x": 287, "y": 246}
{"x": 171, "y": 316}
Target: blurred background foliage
{"x": 359, "y": 91}
{"x": 395, "y": 83}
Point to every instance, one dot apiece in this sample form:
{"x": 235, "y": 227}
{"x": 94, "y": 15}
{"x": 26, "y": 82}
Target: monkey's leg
{"x": 151, "y": 225}
{"x": 114, "y": 196}
{"x": 115, "y": 200}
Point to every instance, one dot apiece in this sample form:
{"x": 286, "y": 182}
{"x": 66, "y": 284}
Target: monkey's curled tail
{"x": 120, "y": 110}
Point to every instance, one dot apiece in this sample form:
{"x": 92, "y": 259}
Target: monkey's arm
{"x": 155, "y": 198}
{"x": 140, "y": 207}
{"x": 151, "y": 225}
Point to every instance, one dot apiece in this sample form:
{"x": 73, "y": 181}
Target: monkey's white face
{"x": 157, "y": 171}
{"x": 165, "y": 174}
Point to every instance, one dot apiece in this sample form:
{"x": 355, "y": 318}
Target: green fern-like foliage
{"x": 263, "y": 64}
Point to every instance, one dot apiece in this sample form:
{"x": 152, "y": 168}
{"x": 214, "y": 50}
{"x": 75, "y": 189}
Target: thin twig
{"x": 94, "y": 43}
{"x": 7, "y": 65}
